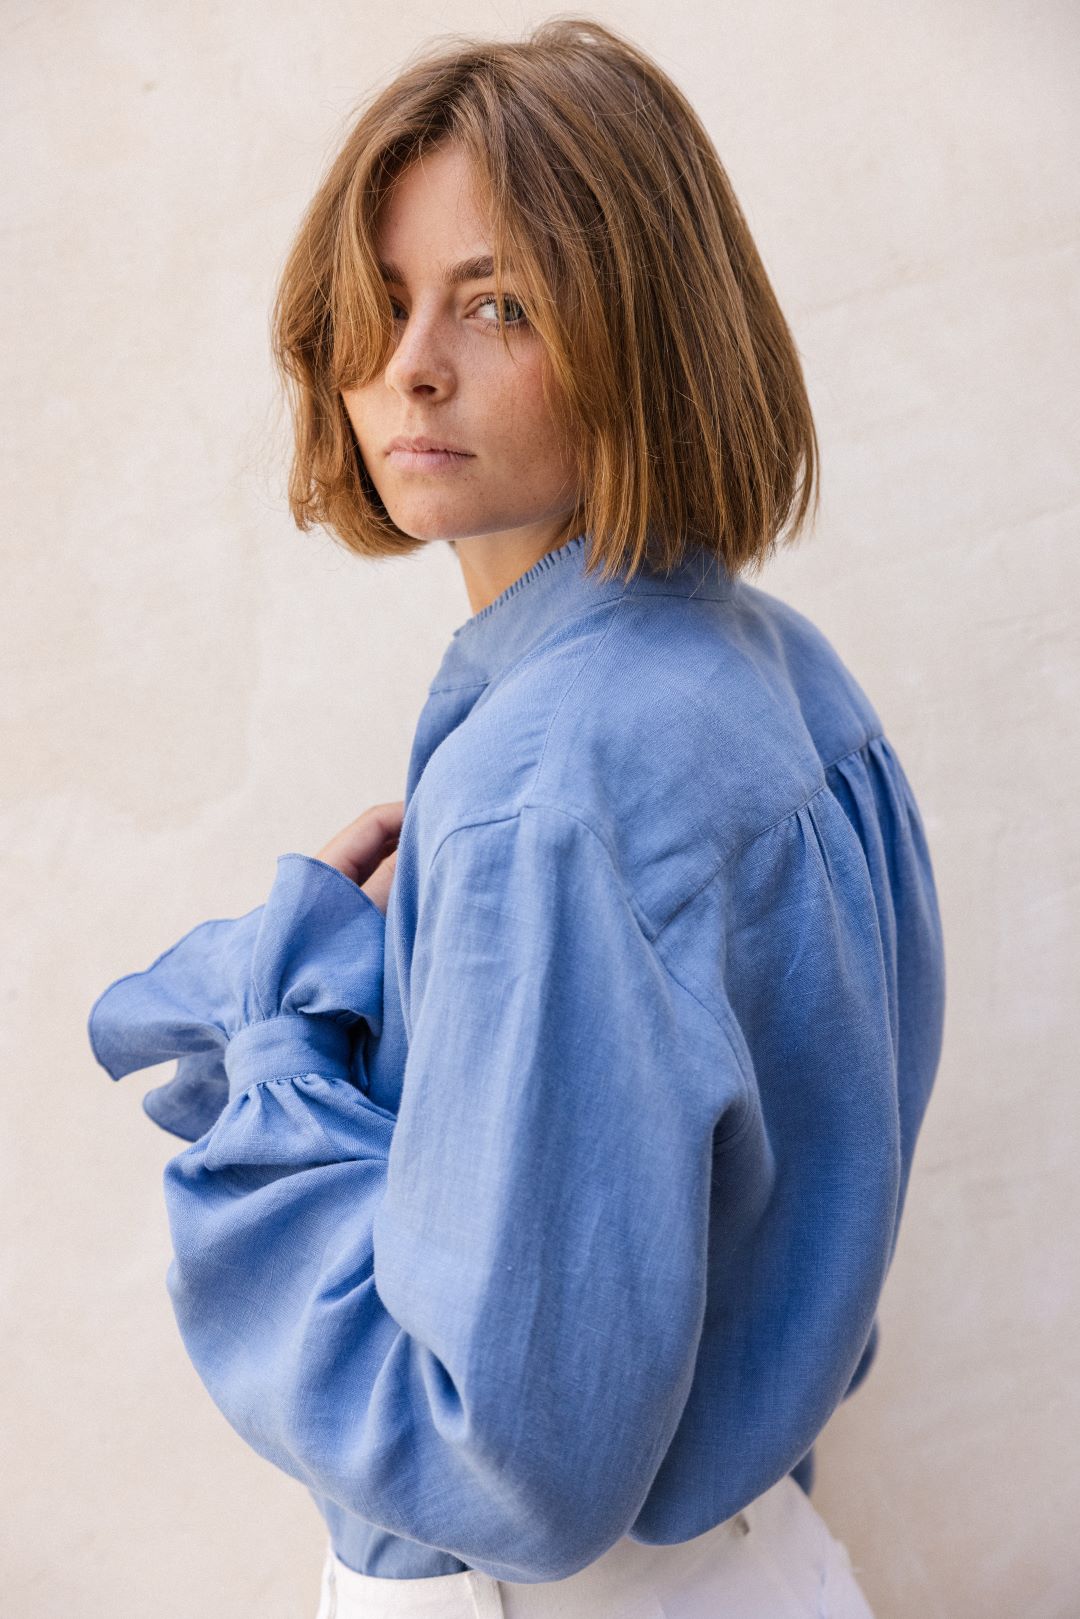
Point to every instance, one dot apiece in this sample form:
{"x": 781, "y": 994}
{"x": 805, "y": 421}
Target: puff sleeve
{"x": 473, "y": 1322}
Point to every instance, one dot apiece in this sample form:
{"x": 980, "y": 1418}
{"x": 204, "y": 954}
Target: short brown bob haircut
{"x": 677, "y": 380}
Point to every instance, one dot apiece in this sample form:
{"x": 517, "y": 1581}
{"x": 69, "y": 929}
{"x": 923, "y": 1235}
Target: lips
{"x": 425, "y": 446}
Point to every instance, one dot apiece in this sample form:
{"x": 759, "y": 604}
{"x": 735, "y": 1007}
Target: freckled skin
{"x": 451, "y": 378}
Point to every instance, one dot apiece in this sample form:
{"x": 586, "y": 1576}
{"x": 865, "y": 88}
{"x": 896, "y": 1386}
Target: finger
{"x": 390, "y": 813}
{"x": 382, "y": 821}
{"x": 358, "y": 848}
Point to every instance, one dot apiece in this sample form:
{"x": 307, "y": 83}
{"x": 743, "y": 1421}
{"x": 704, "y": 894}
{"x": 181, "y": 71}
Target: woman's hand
{"x": 366, "y": 850}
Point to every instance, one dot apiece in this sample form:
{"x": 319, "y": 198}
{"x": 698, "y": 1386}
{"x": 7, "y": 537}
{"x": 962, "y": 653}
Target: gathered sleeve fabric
{"x": 291, "y": 976}
{"x": 170, "y": 1011}
{"x": 474, "y": 1322}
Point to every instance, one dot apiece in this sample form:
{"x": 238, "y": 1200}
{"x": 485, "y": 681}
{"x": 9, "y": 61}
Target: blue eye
{"x": 520, "y": 320}
{"x": 509, "y": 305}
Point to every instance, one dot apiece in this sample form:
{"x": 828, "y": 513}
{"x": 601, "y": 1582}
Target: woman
{"x": 550, "y": 1129}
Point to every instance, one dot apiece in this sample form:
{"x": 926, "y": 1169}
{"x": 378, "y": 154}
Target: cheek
{"x": 359, "y": 407}
{"x": 520, "y": 416}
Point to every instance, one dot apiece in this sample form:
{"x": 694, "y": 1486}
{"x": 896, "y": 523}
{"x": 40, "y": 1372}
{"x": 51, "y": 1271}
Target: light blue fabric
{"x": 556, "y": 1205}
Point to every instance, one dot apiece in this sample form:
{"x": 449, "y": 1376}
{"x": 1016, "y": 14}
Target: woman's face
{"x": 451, "y": 379}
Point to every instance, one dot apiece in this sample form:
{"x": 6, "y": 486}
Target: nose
{"x": 420, "y": 362}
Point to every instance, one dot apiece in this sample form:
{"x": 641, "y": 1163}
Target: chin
{"x": 431, "y": 526}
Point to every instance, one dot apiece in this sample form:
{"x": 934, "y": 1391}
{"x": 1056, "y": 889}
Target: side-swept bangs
{"x": 674, "y": 375}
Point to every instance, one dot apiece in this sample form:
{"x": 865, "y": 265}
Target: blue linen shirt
{"x": 556, "y": 1205}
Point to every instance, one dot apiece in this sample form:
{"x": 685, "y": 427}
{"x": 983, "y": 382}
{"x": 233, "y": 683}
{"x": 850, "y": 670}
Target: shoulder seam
{"x": 489, "y": 820}
{"x": 733, "y": 854}
{"x": 723, "y": 1020}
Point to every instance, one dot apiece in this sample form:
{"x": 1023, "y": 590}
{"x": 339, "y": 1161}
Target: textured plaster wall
{"x": 191, "y": 687}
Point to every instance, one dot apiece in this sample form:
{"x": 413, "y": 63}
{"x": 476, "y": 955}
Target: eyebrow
{"x": 478, "y": 269}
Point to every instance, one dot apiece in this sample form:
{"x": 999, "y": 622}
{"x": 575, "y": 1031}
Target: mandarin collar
{"x": 555, "y": 589}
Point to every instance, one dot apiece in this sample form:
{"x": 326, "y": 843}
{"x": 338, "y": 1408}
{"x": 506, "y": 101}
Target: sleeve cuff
{"x": 275, "y": 990}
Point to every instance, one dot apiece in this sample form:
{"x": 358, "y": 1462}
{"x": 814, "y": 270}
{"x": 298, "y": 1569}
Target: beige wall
{"x": 193, "y": 688}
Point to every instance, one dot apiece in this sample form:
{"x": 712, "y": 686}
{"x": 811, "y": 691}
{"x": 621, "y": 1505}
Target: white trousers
{"x": 774, "y": 1560}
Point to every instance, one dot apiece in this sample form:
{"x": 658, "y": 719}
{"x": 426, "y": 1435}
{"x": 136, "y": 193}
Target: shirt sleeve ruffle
{"x": 278, "y": 992}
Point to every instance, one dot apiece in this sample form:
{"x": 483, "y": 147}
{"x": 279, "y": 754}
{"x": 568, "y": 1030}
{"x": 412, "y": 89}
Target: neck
{"x": 492, "y": 562}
